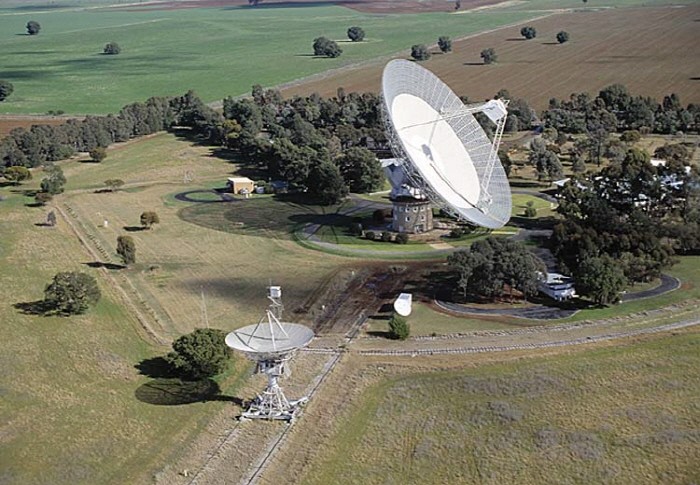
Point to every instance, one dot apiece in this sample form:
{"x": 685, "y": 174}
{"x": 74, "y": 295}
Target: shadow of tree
{"x": 100, "y": 264}
{"x": 38, "y": 307}
{"x": 134, "y": 228}
{"x": 177, "y": 392}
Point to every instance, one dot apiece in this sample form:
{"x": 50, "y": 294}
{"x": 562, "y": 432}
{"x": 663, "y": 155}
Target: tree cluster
{"x": 71, "y": 293}
{"x": 420, "y": 52}
{"x": 493, "y": 264}
{"x": 318, "y": 145}
{"x": 545, "y": 161}
{"x": 632, "y": 212}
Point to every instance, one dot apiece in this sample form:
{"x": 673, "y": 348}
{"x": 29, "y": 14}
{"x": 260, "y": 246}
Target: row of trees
{"x": 420, "y": 52}
{"x": 530, "y": 33}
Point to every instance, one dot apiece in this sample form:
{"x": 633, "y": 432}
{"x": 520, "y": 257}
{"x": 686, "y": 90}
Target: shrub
{"x": 356, "y": 34}
{"x": 562, "y": 37}
{"x": 98, "y": 154}
{"x": 528, "y": 32}
{"x": 112, "y": 49}
{"x": 420, "y": 52}
{"x": 530, "y": 210}
{"x": 398, "y": 328}
{"x": 401, "y": 238}
{"x": 386, "y": 236}
{"x": 489, "y": 55}
{"x": 6, "y": 89}
{"x": 456, "y": 233}
{"x": 370, "y": 235}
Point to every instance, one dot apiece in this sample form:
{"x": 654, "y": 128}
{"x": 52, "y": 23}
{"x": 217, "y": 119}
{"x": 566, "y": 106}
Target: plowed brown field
{"x": 653, "y": 51}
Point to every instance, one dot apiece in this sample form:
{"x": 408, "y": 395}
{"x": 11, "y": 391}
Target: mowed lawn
{"x": 622, "y": 414}
{"x": 215, "y": 51}
{"x": 71, "y": 409}
{"x": 646, "y": 49}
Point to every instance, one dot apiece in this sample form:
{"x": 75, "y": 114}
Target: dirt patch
{"x": 9, "y": 123}
{"x": 365, "y": 6}
{"x": 642, "y": 48}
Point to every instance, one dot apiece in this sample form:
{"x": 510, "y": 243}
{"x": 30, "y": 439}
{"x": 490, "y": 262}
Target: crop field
{"x": 613, "y": 414}
{"x": 645, "y": 49}
{"x": 216, "y": 51}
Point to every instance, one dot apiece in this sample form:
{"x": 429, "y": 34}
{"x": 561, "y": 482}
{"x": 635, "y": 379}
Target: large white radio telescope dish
{"x": 443, "y": 149}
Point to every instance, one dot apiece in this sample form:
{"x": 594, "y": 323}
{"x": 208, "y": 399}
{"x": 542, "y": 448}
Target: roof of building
{"x": 240, "y": 180}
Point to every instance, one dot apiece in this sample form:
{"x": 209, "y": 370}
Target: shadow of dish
{"x": 176, "y": 392}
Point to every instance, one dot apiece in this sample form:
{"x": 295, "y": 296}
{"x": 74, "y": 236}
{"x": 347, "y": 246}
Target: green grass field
{"x": 215, "y": 51}
{"x": 626, "y": 414}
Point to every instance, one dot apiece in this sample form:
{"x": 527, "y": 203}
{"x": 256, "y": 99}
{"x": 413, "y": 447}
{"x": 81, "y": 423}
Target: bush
{"x": 98, "y": 154}
{"x": 562, "y": 37}
{"x": 6, "y": 89}
{"x": 420, "y": 52}
{"x": 489, "y": 55}
{"x": 126, "y": 249}
{"x": 398, "y": 328}
{"x": 33, "y": 27}
{"x": 112, "y": 49}
{"x": 401, "y": 238}
{"x": 71, "y": 292}
{"x": 356, "y": 34}
{"x": 456, "y": 233}
{"x": 386, "y": 236}
{"x": 445, "y": 44}
{"x": 370, "y": 235}
{"x": 200, "y": 354}
{"x": 530, "y": 210}
{"x": 528, "y": 32}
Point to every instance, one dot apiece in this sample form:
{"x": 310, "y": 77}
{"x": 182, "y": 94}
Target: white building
{"x": 557, "y": 286}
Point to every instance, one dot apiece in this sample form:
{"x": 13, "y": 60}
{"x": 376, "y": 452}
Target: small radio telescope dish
{"x": 402, "y": 305}
{"x": 271, "y": 344}
{"x": 442, "y": 148}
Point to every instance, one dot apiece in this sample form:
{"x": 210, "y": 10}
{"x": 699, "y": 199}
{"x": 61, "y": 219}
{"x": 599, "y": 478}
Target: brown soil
{"x": 645, "y": 49}
{"x": 366, "y": 6}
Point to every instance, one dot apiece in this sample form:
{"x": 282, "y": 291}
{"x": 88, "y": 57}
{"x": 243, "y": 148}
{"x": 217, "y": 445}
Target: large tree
{"x": 149, "y": 218}
{"x": 602, "y": 279}
{"x": 489, "y": 55}
{"x": 420, "y": 52}
{"x": 356, "y": 34}
{"x": 126, "y": 249}
{"x": 326, "y": 184}
{"x": 200, "y": 354}
{"x": 445, "y": 44}
{"x": 361, "y": 170}
{"x": 71, "y": 293}
{"x": 326, "y": 47}
{"x": 6, "y": 89}
{"x": 54, "y": 181}
{"x": 33, "y": 27}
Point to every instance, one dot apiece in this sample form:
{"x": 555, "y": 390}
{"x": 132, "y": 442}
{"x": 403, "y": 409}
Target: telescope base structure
{"x": 272, "y": 403}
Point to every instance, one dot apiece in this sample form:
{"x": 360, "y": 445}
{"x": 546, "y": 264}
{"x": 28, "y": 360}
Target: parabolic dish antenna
{"x": 402, "y": 305}
{"x": 444, "y": 151}
{"x": 271, "y": 344}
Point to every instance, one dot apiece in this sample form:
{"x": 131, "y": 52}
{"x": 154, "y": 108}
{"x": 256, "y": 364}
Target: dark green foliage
{"x": 420, "y": 52}
{"x": 17, "y": 174}
{"x": 71, "y": 292}
{"x": 386, "y": 236}
{"x": 6, "y": 88}
{"x": 546, "y": 162}
{"x": 98, "y": 154}
{"x": 326, "y": 47}
{"x": 370, "y": 235}
{"x": 602, "y": 279}
{"x": 401, "y": 238}
{"x": 491, "y": 264}
{"x": 630, "y": 136}
{"x": 528, "y": 32}
{"x": 505, "y": 161}
{"x": 114, "y": 184}
{"x": 33, "y": 27}
{"x": 399, "y": 328}
{"x": 200, "y": 354}
{"x": 54, "y": 181}
{"x": 562, "y": 37}
{"x": 356, "y": 34}
{"x": 445, "y": 44}
{"x": 355, "y": 229}
{"x": 149, "y": 218}
{"x": 577, "y": 163}
{"x": 111, "y": 49}
{"x": 361, "y": 170}
{"x": 126, "y": 249}
{"x": 325, "y": 183}
{"x": 51, "y": 219}
{"x": 489, "y": 55}
{"x": 673, "y": 153}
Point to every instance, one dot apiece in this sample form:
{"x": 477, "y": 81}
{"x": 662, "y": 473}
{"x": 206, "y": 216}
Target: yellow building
{"x": 241, "y": 185}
